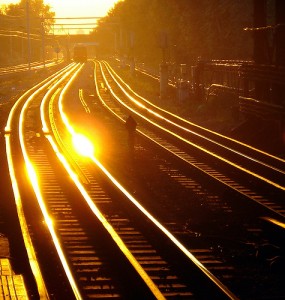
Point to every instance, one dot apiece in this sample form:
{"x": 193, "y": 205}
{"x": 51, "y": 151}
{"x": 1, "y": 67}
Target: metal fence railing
{"x": 259, "y": 88}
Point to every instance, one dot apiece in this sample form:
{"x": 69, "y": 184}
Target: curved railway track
{"x": 249, "y": 200}
{"x": 10, "y": 70}
{"x": 254, "y": 173}
{"x": 86, "y": 235}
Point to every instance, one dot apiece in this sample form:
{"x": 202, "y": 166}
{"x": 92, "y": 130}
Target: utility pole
{"x": 28, "y": 32}
{"x": 260, "y": 49}
{"x": 132, "y": 59}
{"x": 280, "y": 32}
{"x": 279, "y": 60}
{"x": 43, "y": 41}
{"x": 163, "y": 68}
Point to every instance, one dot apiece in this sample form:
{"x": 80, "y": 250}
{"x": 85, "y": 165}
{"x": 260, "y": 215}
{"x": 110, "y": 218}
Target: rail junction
{"x": 179, "y": 212}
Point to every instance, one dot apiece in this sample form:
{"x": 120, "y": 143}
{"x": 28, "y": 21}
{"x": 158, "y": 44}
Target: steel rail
{"x": 186, "y": 122}
{"x": 24, "y": 67}
{"x": 196, "y": 165}
{"x": 148, "y": 281}
{"x": 181, "y": 138}
{"x": 178, "y": 118}
{"x": 18, "y": 200}
{"x": 166, "y": 232}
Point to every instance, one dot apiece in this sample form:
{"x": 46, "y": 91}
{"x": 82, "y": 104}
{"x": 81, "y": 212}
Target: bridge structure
{"x": 63, "y": 45}
{"x": 69, "y": 32}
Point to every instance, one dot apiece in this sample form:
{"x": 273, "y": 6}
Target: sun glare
{"x": 71, "y": 8}
{"x": 83, "y": 145}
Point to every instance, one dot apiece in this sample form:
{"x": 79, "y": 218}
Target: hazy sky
{"x": 76, "y": 8}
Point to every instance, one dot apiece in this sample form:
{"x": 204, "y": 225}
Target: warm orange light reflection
{"x": 82, "y": 145}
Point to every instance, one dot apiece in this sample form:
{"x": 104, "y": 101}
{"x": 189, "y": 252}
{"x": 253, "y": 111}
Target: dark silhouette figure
{"x": 131, "y": 125}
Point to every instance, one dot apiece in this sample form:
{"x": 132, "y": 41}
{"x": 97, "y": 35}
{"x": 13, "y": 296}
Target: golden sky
{"x": 75, "y": 9}
{"x": 81, "y": 8}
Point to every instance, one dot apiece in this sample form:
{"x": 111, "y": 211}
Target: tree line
{"x": 16, "y": 21}
{"x": 182, "y": 30}
{"x": 179, "y": 31}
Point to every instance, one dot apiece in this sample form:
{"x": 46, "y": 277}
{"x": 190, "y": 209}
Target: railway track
{"x": 248, "y": 205}
{"x": 11, "y": 70}
{"x": 86, "y": 236}
{"x": 247, "y": 166}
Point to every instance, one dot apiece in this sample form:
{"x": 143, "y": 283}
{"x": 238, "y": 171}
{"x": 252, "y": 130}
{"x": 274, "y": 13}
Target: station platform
{"x": 12, "y": 286}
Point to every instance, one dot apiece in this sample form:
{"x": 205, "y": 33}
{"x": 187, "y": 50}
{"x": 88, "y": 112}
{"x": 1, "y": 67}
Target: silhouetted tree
{"x": 211, "y": 29}
{"x": 14, "y": 20}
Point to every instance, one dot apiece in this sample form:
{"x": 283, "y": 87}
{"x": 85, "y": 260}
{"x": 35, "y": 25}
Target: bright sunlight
{"x": 74, "y": 12}
{"x": 75, "y": 8}
{"x": 82, "y": 8}
{"x": 82, "y": 145}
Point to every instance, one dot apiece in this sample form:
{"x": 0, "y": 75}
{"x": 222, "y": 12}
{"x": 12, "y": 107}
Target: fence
{"x": 259, "y": 88}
